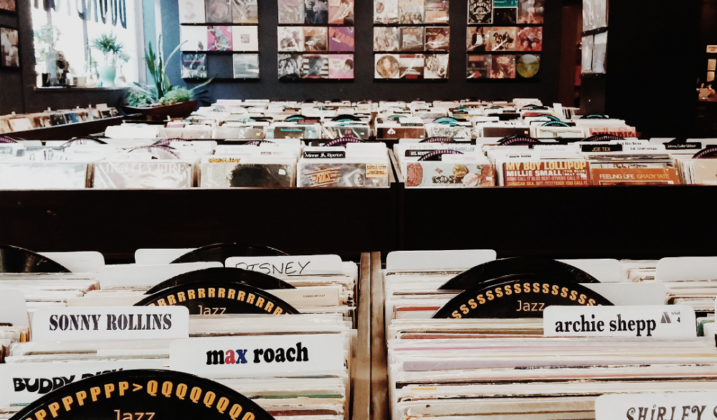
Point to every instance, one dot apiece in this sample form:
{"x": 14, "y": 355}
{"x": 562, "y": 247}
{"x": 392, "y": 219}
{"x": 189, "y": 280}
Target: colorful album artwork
{"x": 341, "y": 12}
{"x": 478, "y": 66}
{"x": 386, "y": 39}
{"x": 480, "y": 12}
{"x": 530, "y": 39}
{"x": 438, "y": 39}
{"x": 219, "y": 38}
{"x": 341, "y": 66}
{"x": 436, "y": 66}
{"x": 342, "y": 39}
{"x": 478, "y": 39}
{"x": 503, "y": 67}
{"x": 528, "y": 66}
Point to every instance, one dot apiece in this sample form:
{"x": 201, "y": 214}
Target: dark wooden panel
{"x": 68, "y": 131}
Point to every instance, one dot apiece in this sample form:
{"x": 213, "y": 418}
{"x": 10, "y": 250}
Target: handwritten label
{"x": 241, "y": 357}
{"x": 294, "y": 265}
{"x": 657, "y": 406}
{"x": 110, "y": 323}
{"x": 674, "y": 321}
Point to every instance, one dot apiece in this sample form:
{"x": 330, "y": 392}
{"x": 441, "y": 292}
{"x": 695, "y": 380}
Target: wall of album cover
{"x": 364, "y": 85}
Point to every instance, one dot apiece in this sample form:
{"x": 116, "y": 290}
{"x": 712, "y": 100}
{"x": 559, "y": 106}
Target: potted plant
{"x": 162, "y": 99}
{"x": 111, "y": 49}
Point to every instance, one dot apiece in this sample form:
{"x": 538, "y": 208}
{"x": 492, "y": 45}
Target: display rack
{"x": 68, "y": 131}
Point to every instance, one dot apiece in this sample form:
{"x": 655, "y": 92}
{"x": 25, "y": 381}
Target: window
{"x": 63, "y": 28}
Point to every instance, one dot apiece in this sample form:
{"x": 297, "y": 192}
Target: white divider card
{"x": 146, "y": 276}
{"x": 293, "y": 265}
{"x": 438, "y": 260}
{"x": 159, "y": 256}
{"x": 240, "y": 357}
{"x": 23, "y": 383}
{"x": 605, "y": 270}
{"x": 673, "y": 321}
{"x": 78, "y": 262}
{"x": 657, "y": 406}
{"x": 686, "y": 269}
{"x": 13, "y": 308}
{"x": 631, "y": 294}
{"x": 110, "y": 323}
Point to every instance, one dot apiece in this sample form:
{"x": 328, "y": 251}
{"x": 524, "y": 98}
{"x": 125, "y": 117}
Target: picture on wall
{"x": 412, "y": 39}
{"x": 219, "y": 11}
{"x": 342, "y": 39}
{"x": 10, "y": 47}
{"x": 480, "y": 12}
{"x": 386, "y": 39}
{"x": 385, "y": 12}
{"x": 194, "y": 66}
{"x": 291, "y": 38}
{"x": 436, "y": 11}
{"x": 8, "y": 5}
{"x": 503, "y": 39}
{"x": 290, "y": 66}
{"x": 438, "y": 39}
{"x": 505, "y": 16}
{"x": 528, "y": 66}
{"x": 219, "y": 38}
{"x": 411, "y": 12}
{"x": 191, "y": 11}
{"x": 341, "y": 66}
{"x": 530, "y": 39}
{"x": 478, "y": 66}
{"x": 316, "y": 39}
{"x": 291, "y": 11}
{"x": 245, "y": 38}
{"x": 341, "y": 12}
{"x": 530, "y": 12}
{"x": 246, "y": 66}
{"x": 316, "y": 12}
{"x": 316, "y": 66}
{"x": 193, "y": 38}
{"x": 399, "y": 66}
{"x": 387, "y": 66}
{"x": 436, "y": 66}
{"x": 502, "y": 67}
{"x": 478, "y": 39}
{"x": 245, "y": 12}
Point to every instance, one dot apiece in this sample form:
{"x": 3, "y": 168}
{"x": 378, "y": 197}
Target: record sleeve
{"x": 478, "y": 67}
{"x": 587, "y": 54}
{"x": 502, "y": 67}
{"x": 436, "y": 66}
{"x": 316, "y": 66}
{"x": 194, "y": 66}
{"x": 193, "y": 38}
{"x": 503, "y": 39}
{"x": 478, "y": 39}
{"x": 191, "y": 11}
{"x": 438, "y": 39}
{"x": 236, "y": 174}
{"x": 411, "y": 12}
{"x": 600, "y": 53}
{"x": 316, "y": 39}
{"x": 219, "y": 38}
{"x": 219, "y": 11}
{"x": 245, "y": 12}
{"x": 412, "y": 39}
{"x": 437, "y": 11}
{"x": 505, "y": 16}
{"x": 245, "y": 38}
{"x": 246, "y": 66}
{"x": 530, "y": 39}
{"x": 530, "y": 12}
{"x": 449, "y": 175}
{"x": 480, "y": 12}
{"x": 528, "y": 66}
{"x": 704, "y": 171}
{"x": 316, "y": 12}
{"x": 291, "y": 11}
{"x": 341, "y": 66}
{"x": 386, "y": 39}
{"x": 343, "y": 175}
{"x": 143, "y": 175}
{"x": 411, "y": 66}
{"x": 341, "y": 39}
{"x": 546, "y": 173}
{"x": 634, "y": 176}
{"x": 387, "y": 66}
{"x": 341, "y": 12}
{"x": 385, "y": 12}
{"x": 291, "y": 38}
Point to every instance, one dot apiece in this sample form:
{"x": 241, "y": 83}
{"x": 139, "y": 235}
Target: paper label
{"x": 712, "y": 49}
{"x": 110, "y": 323}
{"x": 294, "y": 265}
{"x": 23, "y": 383}
{"x": 13, "y": 309}
{"x": 376, "y": 170}
{"x": 674, "y": 321}
{"x": 657, "y": 406}
{"x": 241, "y": 357}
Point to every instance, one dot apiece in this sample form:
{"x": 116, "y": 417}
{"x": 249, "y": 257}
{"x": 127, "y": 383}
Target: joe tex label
{"x": 571, "y": 173}
{"x": 376, "y": 170}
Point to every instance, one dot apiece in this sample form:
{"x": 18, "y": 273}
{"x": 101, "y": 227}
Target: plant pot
{"x": 180, "y": 110}
{"x": 107, "y": 75}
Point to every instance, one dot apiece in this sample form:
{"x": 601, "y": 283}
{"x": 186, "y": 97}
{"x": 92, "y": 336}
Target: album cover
{"x": 142, "y": 175}
{"x": 193, "y": 38}
{"x": 341, "y": 39}
{"x": 478, "y": 39}
{"x": 503, "y": 39}
{"x": 505, "y": 17}
{"x": 233, "y": 175}
{"x": 478, "y": 66}
{"x": 219, "y": 38}
{"x": 530, "y": 12}
{"x": 21, "y": 124}
{"x": 387, "y": 66}
{"x": 245, "y": 11}
{"x": 557, "y": 174}
{"x": 634, "y": 176}
{"x": 436, "y": 66}
{"x": 410, "y": 12}
{"x": 291, "y": 11}
{"x": 600, "y": 53}
{"x": 449, "y": 175}
{"x": 704, "y": 171}
{"x": 316, "y": 12}
{"x": 8, "y": 5}
{"x": 505, "y": 3}
{"x": 219, "y": 11}
{"x": 438, "y": 39}
{"x": 385, "y": 12}
{"x": 42, "y": 175}
{"x": 9, "y": 47}
{"x": 246, "y": 66}
{"x": 412, "y": 39}
{"x": 245, "y": 38}
{"x": 530, "y": 39}
{"x": 587, "y": 54}
{"x": 436, "y": 11}
{"x": 316, "y": 66}
{"x": 594, "y": 14}
{"x": 480, "y": 12}
{"x": 503, "y": 67}
{"x": 411, "y": 66}
{"x": 341, "y": 12}
{"x": 194, "y": 66}
{"x": 341, "y": 66}
{"x": 291, "y": 38}
{"x": 343, "y": 175}
{"x": 316, "y": 39}
{"x": 191, "y": 11}
{"x": 58, "y": 119}
{"x": 386, "y": 39}
{"x": 290, "y": 66}
{"x": 528, "y": 66}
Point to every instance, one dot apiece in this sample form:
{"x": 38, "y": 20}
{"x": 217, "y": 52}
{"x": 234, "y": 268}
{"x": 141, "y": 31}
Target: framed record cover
{"x": 436, "y": 11}
{"x": 246, "y": 66}
{"x": 387, "y": 66}
{"x": 191, "y": 11}
{"x": 438, "y": 39}
{"x": 291, "y": 12}
{"x": 530, "y": 12}
{"x": 194, "y": 66}
{"x": 436, "y": 66}
{"x": 386, "y": 39}
{"x": 478, "y": 39}
{"x": 478, "y": 66}
{"x": 342, "y": 39}
{"x": 10, "y": 47}
{"x": 291, "y": 67}
{"x": 316, "y": 39}
{"x": 530, "y": 39}
{"x": 502, "y": 67}
{"x": 218, "y": 11}
{"x": 503, "y": 38}
{"x": 291, "y": 38}
{"x": 316, "y": 12}
{"x": 219, "y": 38}
{"x": 341, "y": 12}
{"x": 480, "y": 12}
{"x": 411, "y": 12}
{"x": 341, "y": 66}
{"x": 528, "y": 66}
{"x": 412, "y": 39}
{"x": 8, "y": 6}
{"x": 316, "y": 66}
{"x": 385, "y": 12}
{"x": 245, "y": 38}
{"x": 245, "y": 12}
